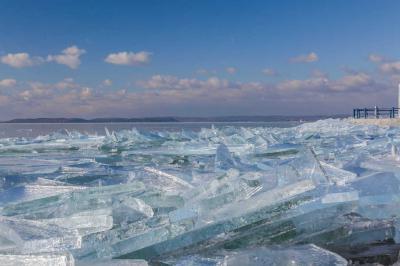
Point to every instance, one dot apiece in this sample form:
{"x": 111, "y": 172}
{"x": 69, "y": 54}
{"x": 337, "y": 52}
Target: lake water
{"x": 30, "y": 130}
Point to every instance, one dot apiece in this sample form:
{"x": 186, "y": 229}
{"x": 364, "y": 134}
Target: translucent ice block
{"x": 112, "y": 262}
{"x": 32, "y": 236}
{"x": 129, "y": 209}
{"x": 85, "y": 222}
{"x": 295, "y": 255}
{"x": 45, "y": 259}
{"x": 73, "y": 202}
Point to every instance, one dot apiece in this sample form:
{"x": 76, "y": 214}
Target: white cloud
{"x": 86, "y": 92}
{"x": 129, "y": 58}
{"x": 107, "y": 82}
{"x": 231, "y": 70}
{"x": 4, "y": 99}
{"x": 67, "y": 83}
{"x": 386, "y": 65}
{"x": 20, "y": 60}
{"x": 26, "y": 95}
{"x": 205, "y": 72}
{"x": 8, "y": 83}
{"x": 215, "y": 83}
{"x": 305, "y": 58}
{"x": 69, "y": 57}
{"x": 316, "y": 73}
{"x": 390, "y": 67}
{"x": 202, "y": 71}
{"x": 38, "y": 89}
{"x": 352, "y": 81}
{"x": 376, "y": 58}
{"x": 166, "y": 82}
{"x": 306, "y": 84}
{"x": 269, "y": 72}
{"x": 320, "y": 83}
{"x": 121, "y": 92}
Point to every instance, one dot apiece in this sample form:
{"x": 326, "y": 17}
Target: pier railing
{"x": 376, "y": 112}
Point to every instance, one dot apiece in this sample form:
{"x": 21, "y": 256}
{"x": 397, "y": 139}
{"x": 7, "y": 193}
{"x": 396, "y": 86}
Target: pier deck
{"x": 375, "y": 112}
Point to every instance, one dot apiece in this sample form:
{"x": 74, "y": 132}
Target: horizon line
{"x": 158, "y": 119}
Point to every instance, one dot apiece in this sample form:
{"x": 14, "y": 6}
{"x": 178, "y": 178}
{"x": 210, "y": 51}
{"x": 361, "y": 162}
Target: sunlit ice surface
{"x": 320, "y": 193}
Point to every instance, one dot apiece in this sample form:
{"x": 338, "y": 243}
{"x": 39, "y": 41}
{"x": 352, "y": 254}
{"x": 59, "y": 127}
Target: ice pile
{"x": 315, "y": 194}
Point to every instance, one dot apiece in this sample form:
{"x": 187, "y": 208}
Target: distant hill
{"x": 175, "y": 119}
{"x": 271, "y": 118}
{"x": 95, "y": 120}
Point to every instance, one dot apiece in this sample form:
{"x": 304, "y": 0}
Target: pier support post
{"x": 398, "y": 102}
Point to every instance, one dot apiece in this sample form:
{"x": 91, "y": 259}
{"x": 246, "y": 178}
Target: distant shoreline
{"x": 231, "y": 119}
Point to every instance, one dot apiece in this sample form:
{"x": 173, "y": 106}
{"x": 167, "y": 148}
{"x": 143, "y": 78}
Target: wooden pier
{"x": 376, "y": 112}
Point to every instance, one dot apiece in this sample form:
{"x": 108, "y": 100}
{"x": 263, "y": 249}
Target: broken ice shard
{"x": 85, "y": 222}
{"x": 42, "y": 259}
{"x": 296, "y": 255}
{"x": 231, "y": 217}
{"x": 73, "y": 202}
{"x": 112, "y": 262}
{"x": 128, "y": 210}
{"x": 26, "y": 236}
{"x": 223, "y": 158}
{"x": 41, "y": 188}
{"x": 260, "y": 256}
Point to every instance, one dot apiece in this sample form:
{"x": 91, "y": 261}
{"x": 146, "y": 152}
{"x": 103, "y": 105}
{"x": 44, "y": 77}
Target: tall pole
{"x": 398, "y": 102}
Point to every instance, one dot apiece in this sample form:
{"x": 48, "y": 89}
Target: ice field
{"x": 321, "y": 193}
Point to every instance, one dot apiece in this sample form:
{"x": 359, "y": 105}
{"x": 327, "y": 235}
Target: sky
{"x": 89, "y": 59}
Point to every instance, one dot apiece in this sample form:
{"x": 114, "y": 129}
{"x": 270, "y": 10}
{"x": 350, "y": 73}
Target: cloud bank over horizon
{"x": 169, "y": 95}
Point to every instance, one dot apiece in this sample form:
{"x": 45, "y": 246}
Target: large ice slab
{"x": 45, "y": 259}
{"x": 72, "y": 202}
{"x": 85, "y": 222}
{"x": 28, "y": 236}
{"x": 112, "y": 262}
{"x": 274, "y": 256}
{"x": 296, "y": 255}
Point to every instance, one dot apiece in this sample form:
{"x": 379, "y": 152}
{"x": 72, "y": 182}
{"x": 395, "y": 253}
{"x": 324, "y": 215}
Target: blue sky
{"x": 197, "y": 58}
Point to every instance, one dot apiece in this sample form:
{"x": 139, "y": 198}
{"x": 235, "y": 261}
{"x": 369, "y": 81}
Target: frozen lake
{"x": 199, "y": 193}
{"x": 36, "y": 129}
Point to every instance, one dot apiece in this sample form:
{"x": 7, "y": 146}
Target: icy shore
{"x": 322, "y": 193}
